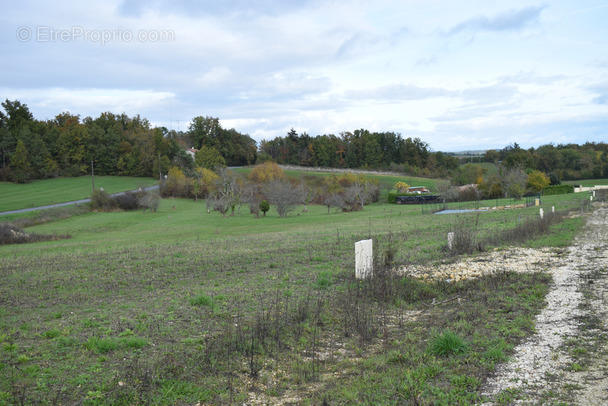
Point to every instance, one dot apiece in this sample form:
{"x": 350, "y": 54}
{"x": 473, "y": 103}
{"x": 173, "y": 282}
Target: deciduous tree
{"x": 177, "y": 184}
{"x": 537, "y": 181}
{"x": 209, "y": 158}
{"x": 282, "y": 193}
{"x": 20, "y": 166}
{"x": 266, "y": 172}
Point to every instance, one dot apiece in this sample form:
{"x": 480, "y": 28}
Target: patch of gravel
{"x": 520, "y": 260}
{"x": 540, "y": 363}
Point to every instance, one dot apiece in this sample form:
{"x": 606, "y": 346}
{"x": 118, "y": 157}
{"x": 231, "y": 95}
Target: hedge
{"x": 558, "y": 190}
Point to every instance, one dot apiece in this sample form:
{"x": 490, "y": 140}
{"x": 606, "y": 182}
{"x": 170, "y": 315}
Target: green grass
{"x": 49, "y": 191}
{"x": 586, "y": 182}
{"x": 189, "y": 222}
{"x": 184, "y": 306}
{"x": 446, "y": 343}
{"x": 202, "y": 300}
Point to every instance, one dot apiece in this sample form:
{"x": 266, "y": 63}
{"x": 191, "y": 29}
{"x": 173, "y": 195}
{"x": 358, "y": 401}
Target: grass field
{"x": 182, "y": 306}
{"x": 15, "y": 196}
{"x": 586, "y": 182}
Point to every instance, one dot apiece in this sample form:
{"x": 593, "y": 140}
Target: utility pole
{"x": 92, "y": 175}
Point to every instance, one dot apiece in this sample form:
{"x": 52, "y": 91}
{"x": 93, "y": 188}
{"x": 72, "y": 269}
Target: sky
{"x": 459, "y": 75}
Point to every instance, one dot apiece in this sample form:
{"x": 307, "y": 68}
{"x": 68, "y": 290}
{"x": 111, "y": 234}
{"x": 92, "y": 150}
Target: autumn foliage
{"x": 266, "y": 172}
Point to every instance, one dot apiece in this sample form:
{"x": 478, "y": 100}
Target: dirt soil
{"x": 566, "y": 361}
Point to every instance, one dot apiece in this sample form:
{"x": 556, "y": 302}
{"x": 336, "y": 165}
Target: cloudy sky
{"x": 459, "y": 75}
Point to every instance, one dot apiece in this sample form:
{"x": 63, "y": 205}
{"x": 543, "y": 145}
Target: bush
{"x": 392, "y": 196}
{"x": 128, "y": 200}
{"x": 149, "y": 201}
{"x": 101, "y": 200}
{"x": 558, "y": 190}
{"x": 264, "y": 206}
{"x": 466, "y": 240}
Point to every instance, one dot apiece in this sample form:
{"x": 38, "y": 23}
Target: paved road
{"x": 50, "y": 206}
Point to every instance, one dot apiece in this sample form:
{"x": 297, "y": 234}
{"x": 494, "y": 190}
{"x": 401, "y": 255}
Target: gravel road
{"x": 566, "y": 360}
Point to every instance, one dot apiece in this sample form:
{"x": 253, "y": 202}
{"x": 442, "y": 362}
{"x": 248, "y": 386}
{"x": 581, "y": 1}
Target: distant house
{"x": 192, "y": 151}
{"x": 418, "y": 189}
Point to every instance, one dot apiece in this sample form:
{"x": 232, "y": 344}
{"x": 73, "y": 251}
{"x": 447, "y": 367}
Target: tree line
{"x": 113, "y": 144}
{"x": 359, "y": 149}
{"x": 559, "y": 162}
{"x": 116, "y": 144}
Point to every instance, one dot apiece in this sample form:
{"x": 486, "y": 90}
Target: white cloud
{"x": 509, "y": 20}
{"x": 264, "y": 66}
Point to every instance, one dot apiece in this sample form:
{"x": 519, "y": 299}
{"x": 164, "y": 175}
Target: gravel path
{"x": 542, "y": 368}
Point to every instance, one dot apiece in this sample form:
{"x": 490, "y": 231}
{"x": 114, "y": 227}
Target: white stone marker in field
{"x": 450, "y": 240}
{"x": 552, "y": 209}
{"x": 590, "y": 198}
{"x": 364, "y": 259}
{"x": 541, "y": 213}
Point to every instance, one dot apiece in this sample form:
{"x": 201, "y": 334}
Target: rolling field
{"x": 49, "y": 191}
{"x": 183, "y": 306}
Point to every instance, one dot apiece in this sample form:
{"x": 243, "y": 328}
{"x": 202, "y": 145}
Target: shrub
{"x": 558, "y": 190}
{"x": 402, "y": 187}
{"x": 466, "y": 239}
{"x": 127, "y": 200}
{"x": 447, "y": 343}
{"x": 266, "y": 172}
{"x": 392, "y": 196}
{"x": 149, "y": 201}
{"x": 100, "y": 200}
{"x": 176, "y": 183}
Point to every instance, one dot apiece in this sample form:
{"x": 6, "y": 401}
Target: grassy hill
{"x": 49, "y": 191}
{"x": 184, "y": 306}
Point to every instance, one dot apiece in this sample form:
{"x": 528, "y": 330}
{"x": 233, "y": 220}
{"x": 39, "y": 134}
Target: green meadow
{"x": 15, "y": 196}
{"x": 587, "y": 182}
{"x": 182, "y": 306}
